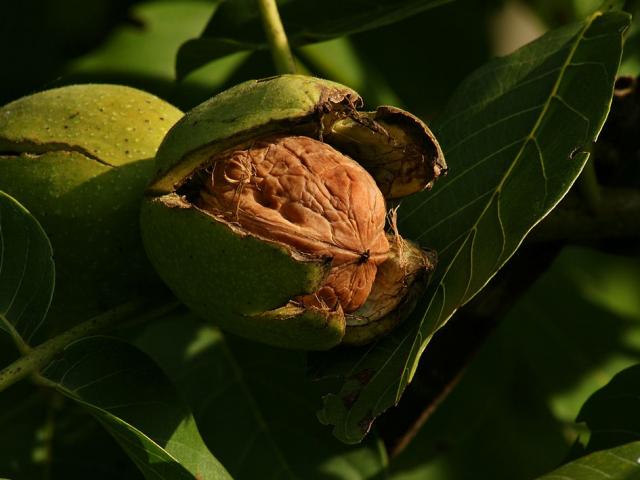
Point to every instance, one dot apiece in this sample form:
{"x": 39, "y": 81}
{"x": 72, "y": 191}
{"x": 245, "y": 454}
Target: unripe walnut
{"x": 79, "y": 157}
{"x": 261, "y": 220}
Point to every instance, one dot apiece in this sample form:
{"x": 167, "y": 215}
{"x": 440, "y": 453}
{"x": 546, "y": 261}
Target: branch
{"x": 454, "y": 346}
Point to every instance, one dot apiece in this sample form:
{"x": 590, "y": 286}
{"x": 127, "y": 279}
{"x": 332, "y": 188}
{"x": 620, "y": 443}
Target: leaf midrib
{"x": 409, "y": 372}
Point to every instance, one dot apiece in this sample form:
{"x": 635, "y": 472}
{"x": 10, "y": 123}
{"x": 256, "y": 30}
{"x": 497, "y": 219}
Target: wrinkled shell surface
{"x": 303, "y": 193}
{"x": 399, "y": 282}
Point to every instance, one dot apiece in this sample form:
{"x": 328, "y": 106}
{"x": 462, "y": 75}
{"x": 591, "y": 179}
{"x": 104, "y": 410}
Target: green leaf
{"x": 512, "y": 415}
{"x": 631, "y": 55}
{"x": 621, "y": 463}
{"x": 134, "y": 400}
{"x": 143, "y": 54}
{"x": 26, "y": 272}
{"x": 408, "y": 54}
{"x": 514, "y": 137}
{"x": 339, "y": 61}
{"x": 612, "y": 412}
{"x": 254, "y": 405}
{"x": 237, "y": 25}
{"x": 146, "y": 53}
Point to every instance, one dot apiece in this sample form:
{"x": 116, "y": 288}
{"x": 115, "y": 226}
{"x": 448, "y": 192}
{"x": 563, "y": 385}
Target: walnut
{"x": 267, "y": 212}
{"x": 302, "y": 192}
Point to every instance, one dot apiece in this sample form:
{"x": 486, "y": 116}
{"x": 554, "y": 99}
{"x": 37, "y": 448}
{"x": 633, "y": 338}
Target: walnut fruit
{"x": 79, "y": 157}
{"x": 267, "y": 214}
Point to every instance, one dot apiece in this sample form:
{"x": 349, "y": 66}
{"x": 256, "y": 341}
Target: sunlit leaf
{"x": 631, "y": 56}
{"x": 612, "y": 412}
{"x": 621, "y": 463}
{"x": 134, "y": 400}
{"x": 147, "y": 48}
{"x": 514, "y": 137}
{"x": 142, "y": 53}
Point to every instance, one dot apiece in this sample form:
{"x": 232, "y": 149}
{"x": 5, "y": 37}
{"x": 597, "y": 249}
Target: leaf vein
{"x": 491, "y": 125}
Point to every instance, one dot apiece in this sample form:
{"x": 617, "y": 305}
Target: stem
{"x": 18, "y": 341}
{"x": 572, "y": 222}
{"x": 38, "y": 357}
{"x": 589, "y": 187}
{"x": 278, "y": 43}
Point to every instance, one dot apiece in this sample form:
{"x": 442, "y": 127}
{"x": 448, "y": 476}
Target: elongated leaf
{"x": 26, "y": 271}
{"x": 254, "y": 405}
{"x": 621, "y": 463}
{"x": 612, "y": 412}
{"x": 514, "y": 136}
{"x": 133, "y": 399}
{"x": 237, "y": 25}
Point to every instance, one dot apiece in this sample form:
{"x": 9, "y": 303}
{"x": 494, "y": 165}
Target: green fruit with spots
{"x": 268, "y": 216}
{"x": 79, "y": 157}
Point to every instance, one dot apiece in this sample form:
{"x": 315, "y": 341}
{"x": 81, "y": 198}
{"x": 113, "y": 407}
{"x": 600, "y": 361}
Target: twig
{"x": 430, "y": 409}
{"x": 617, "y": 217}
{"x": 274, "y": 30}
{"x": 38, "y": 357}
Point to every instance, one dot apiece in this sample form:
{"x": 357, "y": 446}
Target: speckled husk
{"x": 244, "y": 282}
{"x": 78, "y": 158}
{"x": 248, "y": 110}
{"x": 238, "y": 282}
{"x": 296, "y": 104}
